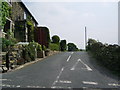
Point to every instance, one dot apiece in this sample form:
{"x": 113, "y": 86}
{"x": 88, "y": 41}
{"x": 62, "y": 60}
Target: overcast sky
{"x": 68, "y": 19}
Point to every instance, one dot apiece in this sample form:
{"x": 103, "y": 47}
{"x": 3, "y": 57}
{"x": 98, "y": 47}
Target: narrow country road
{"x": 63, "y": 70}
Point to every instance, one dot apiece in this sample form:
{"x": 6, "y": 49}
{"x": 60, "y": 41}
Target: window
{"x": 24, "y": 15}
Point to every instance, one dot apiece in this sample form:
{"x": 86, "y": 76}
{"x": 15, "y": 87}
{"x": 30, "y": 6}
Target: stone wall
{"x": 17, "y": 11}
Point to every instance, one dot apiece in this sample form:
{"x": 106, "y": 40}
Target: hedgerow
{"x": 108, "y": 55}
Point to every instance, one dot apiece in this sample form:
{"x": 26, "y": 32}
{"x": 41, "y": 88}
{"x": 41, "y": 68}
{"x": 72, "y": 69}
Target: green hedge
{"x": 108, "y": 55}
{"x": 54, "y": 46}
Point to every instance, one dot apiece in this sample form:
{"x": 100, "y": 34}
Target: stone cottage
{"x": 21, "y": 22}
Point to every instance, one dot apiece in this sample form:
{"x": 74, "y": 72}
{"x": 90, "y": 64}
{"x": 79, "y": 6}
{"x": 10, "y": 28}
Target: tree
{"x": 55, "y": 39}
{"x": 90, "y": 43}
{"x": 72, "y": 47}
{"x": 63, "y": 45}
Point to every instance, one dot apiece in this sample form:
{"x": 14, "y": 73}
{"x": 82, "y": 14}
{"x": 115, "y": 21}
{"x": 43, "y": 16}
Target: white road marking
{"x": 113, "y": 84}
{"x": 87, "y": 82}
{"x": 73, "y": 68}
{"x": 35, "y": 87}
{"x": 60, "y": 87}
{"x": 18, "y": 86}
{"x": 84, "y": 87}
{"x": 3, "y": 85}
{"x": 57, "y": 87}
{"x": 68, "y": 58}
{"x": 5, "y": 80}
{"x": 64, "y": 81}
{"x": 72, "y": 52}
{"x": 88, "y": 68}
{"x": 53, "y": 87}
{"x": 69, "y": 87}
{"x": 7, "y": 85}
{"x": 58, "y": 77}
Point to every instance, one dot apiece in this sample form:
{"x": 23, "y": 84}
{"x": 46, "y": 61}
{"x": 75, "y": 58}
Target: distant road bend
{"x": 63, "y": 70}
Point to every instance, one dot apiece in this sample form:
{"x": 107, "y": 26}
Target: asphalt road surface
{"x": 63, "y": 70}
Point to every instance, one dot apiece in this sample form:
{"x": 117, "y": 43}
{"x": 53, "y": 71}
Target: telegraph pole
{"x": 85, "y": 37}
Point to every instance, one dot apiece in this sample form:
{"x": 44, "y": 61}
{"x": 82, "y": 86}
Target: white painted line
{"x": 43, "y": 87}
{"x": 58, "y": 77}
{"x": 18, "y": 86}
{"x": 3, "y": 79}
{"x": 68, "y": 58}
{"x": 35, "y": 87}
{"x": 72, "y": 52}
{"x": 87, "y": 82}
{"x": 12, "y": 85}
{"x": 69, "y": 87}
{"x": 62, "y": 69}
{"x": 73, "y": 68}
{"x": 64, "y": 81}
{"x": 57, "y": 87}
{"x": 84, "y": 87}
{"x": 113, "y": 84}
{"x": 88, "y": 68}
{"x": 56, "y": 81}
{"x": 53, "y": 87}
{"x": 61, "y": 87}
{"x": 7, "y": 85}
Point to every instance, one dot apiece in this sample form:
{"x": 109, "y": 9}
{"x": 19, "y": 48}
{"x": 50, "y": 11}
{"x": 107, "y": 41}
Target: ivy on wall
{"x": 5, "y": 11}
{"x": 30, "y": 27}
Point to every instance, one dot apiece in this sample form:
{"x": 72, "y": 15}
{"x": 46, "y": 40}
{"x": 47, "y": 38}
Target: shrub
{"x": 108, "y": 55}
{"x": 39, "y": 48}
{"x": 54, "y": 47}
{"x": 44, "y": 48}
{"x": 31, "y": 50}
{"x": 6, "y": 43}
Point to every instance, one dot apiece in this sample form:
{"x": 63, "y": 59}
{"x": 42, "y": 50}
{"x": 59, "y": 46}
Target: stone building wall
{"x": 17, "y": 11}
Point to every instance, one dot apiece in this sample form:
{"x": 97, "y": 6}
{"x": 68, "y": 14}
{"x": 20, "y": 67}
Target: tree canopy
{"x": 72, "y": 47}
{"x": 55, "y": 39}
{"x": 63, "y": 45}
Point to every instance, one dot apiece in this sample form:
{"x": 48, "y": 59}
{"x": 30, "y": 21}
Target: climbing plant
{"x": 30, "y": 26}
{"x": 5, "y": 11}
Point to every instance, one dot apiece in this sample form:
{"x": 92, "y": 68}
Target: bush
{"x": 44, "y": 47}
{"x": 6, "y": 43}
{"x": 108, "y": 55}
{"x": 54, "y": 47}
{"x": 39, "y": 48}
{"x": 31, "y": 50}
